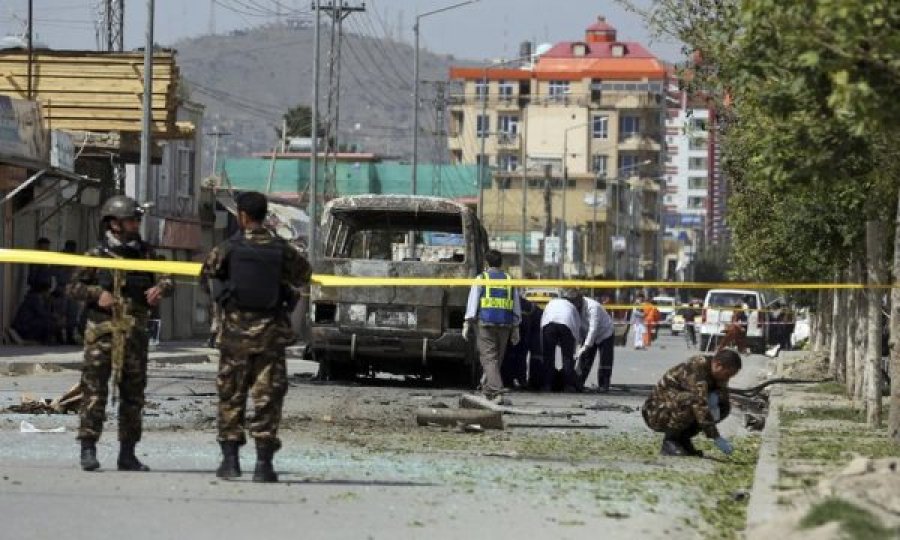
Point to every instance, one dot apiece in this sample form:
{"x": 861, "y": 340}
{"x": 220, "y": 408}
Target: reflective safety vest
{"x": 497, "y": 303}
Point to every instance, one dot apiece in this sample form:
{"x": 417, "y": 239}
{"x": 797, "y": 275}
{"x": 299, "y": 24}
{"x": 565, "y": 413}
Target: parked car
{"x": 399, "y": 330}
{"x": 666, "y": 307}
{"x": 719, "y": 308}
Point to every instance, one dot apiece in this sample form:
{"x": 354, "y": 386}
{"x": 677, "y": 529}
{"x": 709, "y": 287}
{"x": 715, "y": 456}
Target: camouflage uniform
{"x": 252, "y": 348}
{"x": 679, "y": 403}
{"x": 85, "y": 286}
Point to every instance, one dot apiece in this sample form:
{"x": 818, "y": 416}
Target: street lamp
{"x": 565, "y": 184}
{"x": 415, "y": 157}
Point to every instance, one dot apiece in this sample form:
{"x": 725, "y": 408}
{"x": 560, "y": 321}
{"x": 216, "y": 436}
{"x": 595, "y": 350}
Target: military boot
{"x": 127, "y": 460}
{"x": 671, "y": 447}
{"x": 89, "y": 455}
{"x": 231, "y": 463}
{"x": 264, "y": 471}
{"x": 689, "y": 448}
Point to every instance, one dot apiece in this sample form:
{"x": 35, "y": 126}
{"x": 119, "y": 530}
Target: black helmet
{"x": 120, "y": 207}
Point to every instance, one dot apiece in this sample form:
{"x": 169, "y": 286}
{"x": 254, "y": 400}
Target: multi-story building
{"x": 570, "y": 145}
{"x": 687, "y": 175}
{"x": 695, "y": 187}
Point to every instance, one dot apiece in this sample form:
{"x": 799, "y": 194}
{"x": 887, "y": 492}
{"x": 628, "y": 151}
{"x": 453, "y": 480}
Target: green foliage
{"x": 804, "y": 92}
{"x": 299, "y": 122}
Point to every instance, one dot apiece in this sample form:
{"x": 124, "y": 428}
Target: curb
{"x": 34, "y": 366}
{"x": 763, "y": 504}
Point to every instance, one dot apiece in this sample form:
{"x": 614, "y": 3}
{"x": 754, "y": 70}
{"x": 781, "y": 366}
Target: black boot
{"x": 671, "y": 447}
{"x": 231, "y": 464}
{"x": 89, "y": 455}
{"x": 264, "y": 471}
{"x": 127, "y": 460}
{"x": 689, "y": 448}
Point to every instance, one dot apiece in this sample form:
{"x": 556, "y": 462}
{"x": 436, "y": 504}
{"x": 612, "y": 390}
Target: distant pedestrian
{"x": 638, "y": 322}
{"x": 561, "y": 328}
{"x": 597, "y": 327}
{"x": 514, "y": 368}
{"x": 495, "y": 308}
{"x": 34, "y": 319}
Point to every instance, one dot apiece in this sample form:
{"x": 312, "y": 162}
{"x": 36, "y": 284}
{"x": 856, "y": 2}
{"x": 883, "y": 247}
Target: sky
{"x": 484, "y": 29}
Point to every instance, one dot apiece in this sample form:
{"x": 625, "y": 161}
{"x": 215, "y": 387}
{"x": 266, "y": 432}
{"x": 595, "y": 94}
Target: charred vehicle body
{"x": 399, "y": 330}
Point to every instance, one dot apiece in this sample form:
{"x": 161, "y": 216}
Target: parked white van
{"x": 718, "y": 310}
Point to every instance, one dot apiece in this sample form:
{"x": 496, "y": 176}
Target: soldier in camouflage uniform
{"x": 256, "y": 279}
{"x": 141, "y": 291}
{"x": 690, "y": 398}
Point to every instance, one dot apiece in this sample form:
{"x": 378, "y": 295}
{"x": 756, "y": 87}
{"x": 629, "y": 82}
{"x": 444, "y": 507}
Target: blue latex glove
{"x": 714, "y": 409}
{"x": 723, "y": 445}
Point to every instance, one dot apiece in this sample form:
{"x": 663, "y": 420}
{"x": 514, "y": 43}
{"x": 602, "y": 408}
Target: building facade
{"x": 569, "y": 144}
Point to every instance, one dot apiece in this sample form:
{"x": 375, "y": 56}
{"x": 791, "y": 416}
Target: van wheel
{"x": 450, "y": 375}
{"x": 332, "y": 367}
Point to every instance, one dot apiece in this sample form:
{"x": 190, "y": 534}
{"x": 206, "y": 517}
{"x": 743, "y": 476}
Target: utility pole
{"x": 216, "y": 134}
{"x": 30, "y": 45}
{"x": 523, "y": 164}
{"x": 143, "y": 179}
{"x": 338, "y": 10}
{"x": 440, "y": 107}
{"x": 314, "y": 157}
{"x": 112, "y": 24}
{"x": 415, "y": 152}
{"x": 211, "y": 23}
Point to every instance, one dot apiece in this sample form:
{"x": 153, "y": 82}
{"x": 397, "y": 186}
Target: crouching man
{"x": 692, "y": 397}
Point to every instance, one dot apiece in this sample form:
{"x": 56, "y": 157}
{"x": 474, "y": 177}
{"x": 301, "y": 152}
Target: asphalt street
{"x": 354, "y": 465}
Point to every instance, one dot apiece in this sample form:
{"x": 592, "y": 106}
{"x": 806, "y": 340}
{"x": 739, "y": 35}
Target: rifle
{"x": 120, "y": 325}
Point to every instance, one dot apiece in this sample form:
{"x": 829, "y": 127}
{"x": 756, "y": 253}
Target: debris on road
{"x": 28, "y": 427}
{"x": 603, "y": 405}
{"x": 471, "y": 401}
{"x": 429, "y": 416}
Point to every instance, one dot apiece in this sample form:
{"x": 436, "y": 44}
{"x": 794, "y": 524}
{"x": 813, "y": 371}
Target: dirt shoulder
{"x": 837, "y": 477}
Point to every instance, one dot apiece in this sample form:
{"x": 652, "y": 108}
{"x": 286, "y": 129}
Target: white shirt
{"x": 561, "y": 311}
{"x": 596, "y": 322}
{"x": 474, "y": 302}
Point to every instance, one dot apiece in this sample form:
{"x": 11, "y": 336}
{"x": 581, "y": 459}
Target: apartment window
{"x": 628, "y": 165}
{"x": 508, "y": 124}
{"x": 506, "y": 89}
{"x": 697, "y": 182}
{"x": 599, "y": 164}
{"x": 629, "y": 126}
{"x": 697, "y": 143}
{"x": 600, "y": 183}
{"x": 184, "y": 184}
{"x": 482, "y": 126}
{"x": 503, "y": 183}
{"x": 698, "y": 124}
{"x": 557, "y": 183}
{"x": 696, "y": 202}
{"x": 697, "y": 163}
{"x": 482, "y": 160}
{"x": 481, "y": 89}
{"x": 600, "y": 125}
{"x": 508, "y": 162}
{"x": 559, "y": 89}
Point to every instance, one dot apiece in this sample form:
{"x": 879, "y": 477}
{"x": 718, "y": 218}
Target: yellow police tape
{"x": 26, "y": 256}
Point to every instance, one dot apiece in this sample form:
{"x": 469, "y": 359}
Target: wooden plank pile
{"x": 94, "y": 91}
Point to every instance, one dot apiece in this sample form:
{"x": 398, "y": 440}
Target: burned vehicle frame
{"x": 398, "y": 330}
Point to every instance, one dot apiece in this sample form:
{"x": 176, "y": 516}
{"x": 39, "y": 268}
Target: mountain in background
{"x": 248, "y": 79}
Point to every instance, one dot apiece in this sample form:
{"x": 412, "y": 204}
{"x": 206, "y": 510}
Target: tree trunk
{"x": 861, "y": 342}
{"x": 823, "y": 324}
{"x": 850, "y": 352}
{"x": 818, "y": 328}
{"x": 875, "y": 259}
{"x": 839, "y": 324}
{"x": 894, "y": 415}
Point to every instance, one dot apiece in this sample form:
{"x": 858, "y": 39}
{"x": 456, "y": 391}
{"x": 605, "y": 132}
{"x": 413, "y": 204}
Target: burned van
{"x": 399, "y": 330}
